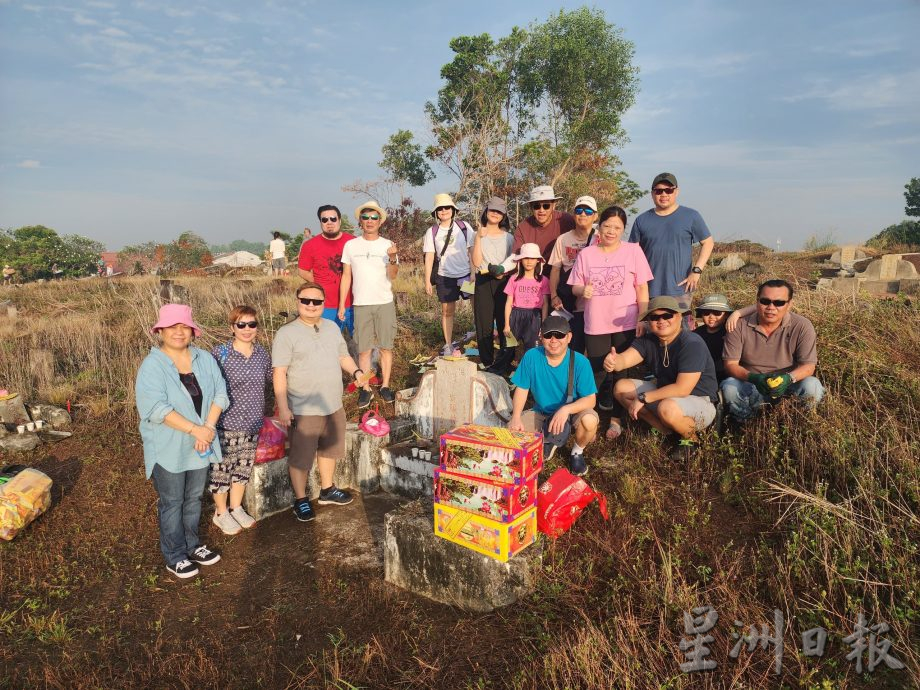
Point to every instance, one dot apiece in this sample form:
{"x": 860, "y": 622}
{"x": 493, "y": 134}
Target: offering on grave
{"x": 485, "y": 497}
{"x": 498, "y": 540}
{"x": 22, "y": 499}
{"x": 495, "y": 453}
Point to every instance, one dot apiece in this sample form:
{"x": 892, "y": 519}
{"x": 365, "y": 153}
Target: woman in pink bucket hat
{"x": 180, "y": 394}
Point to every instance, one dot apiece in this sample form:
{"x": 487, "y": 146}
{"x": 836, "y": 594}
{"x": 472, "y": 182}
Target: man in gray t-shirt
{"x": 308, "y": 355}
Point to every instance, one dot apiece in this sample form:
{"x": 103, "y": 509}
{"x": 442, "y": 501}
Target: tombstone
{"x": 172, "y": 293}
{"x": 890, "y": 267}
{"x": 847, "y": 255}
{"x": 41, "y": 366}
{"x": 8, "y": 309}
{"x": 732, "y": 262}
{"x": 12, "y": 410}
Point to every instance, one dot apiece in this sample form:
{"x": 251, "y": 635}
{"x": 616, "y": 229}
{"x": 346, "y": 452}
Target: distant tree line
{"x": 907, "y": 232}
{"x": 33, "y": 250}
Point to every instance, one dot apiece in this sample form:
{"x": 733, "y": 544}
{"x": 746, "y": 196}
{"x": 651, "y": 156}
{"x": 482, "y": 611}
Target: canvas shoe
{"x": 184, "y": 568}
{"x": 334, "y": 496}
{"x": 204, "y": 556}
{"x": 447, "y": 350}
{"x": 227, "y": 524}
{"x": 364, "y": 398}
{"x": 244, "y": 519}
{"x": 577, "y": 464}
{"x": 549, "y": 450}
{"x": 387, "y": 395}
{"x": 303, "y": 511}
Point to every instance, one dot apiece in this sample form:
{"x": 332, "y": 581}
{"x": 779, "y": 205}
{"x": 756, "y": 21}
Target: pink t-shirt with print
{"x": 528, "y": 293}
{"x": 615, "y": 276}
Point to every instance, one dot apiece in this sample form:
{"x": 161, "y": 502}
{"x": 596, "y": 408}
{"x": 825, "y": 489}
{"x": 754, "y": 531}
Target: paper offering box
{"x": 498, "y": 540}
{"x": 496, "y": 453}
{"x": 501, "y": 502}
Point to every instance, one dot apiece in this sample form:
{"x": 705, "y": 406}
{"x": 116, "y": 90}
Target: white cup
{"x": 21, "y": 429}
{"x": 415, "y": 452}
{"x": 30, "y": 426}
{"x": 427, "y": 455}
{"x": 39, "y": 423}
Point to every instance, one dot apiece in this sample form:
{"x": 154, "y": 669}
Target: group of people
{"x": 585, "y": 306}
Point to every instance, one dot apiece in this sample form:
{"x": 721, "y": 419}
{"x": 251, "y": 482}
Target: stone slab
{"x": 417, "y": 560}
{"x": 731, "y": 262}
{"x": 403, "y": 475}
{"x": 13, "y": 411}
{"x": 19, "y": 443}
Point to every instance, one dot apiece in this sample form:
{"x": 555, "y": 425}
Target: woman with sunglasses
{"x": 612, "y": 277}
{"x": 246, "y": 367}
{"x": 179, "y": 394}
{"x": 562, "y": 259}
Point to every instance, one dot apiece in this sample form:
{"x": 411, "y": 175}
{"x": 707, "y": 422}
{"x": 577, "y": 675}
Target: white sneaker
{"x": 244, "y": 519}
{"x": 226, "y": 523}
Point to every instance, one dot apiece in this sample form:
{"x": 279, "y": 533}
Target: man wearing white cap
{"x": 369, "y": 263}
{"x": 545, "y": 224}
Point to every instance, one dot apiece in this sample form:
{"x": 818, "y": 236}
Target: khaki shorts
{"x": 314, "y": 435}
{"x": 534, "y": 421}
{"x": 375, "y": 325}
{"x": 697, "y": 407}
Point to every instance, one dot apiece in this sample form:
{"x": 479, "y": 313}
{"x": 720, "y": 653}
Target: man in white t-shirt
{"x": 277, "y": 248}
{"x": 369, "y": 263}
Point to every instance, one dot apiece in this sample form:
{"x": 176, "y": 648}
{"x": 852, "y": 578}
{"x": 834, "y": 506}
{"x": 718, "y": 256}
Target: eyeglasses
{"x": 554, "y": 335}
{"x": 586, "y": 211}
{"x": 328, "y": 219}
{"x": 667, "y": 316}
{"x": 309, "y": 301}
{"x": 370, "y": 216}
{"x": 775, "y": 302}
{"x": 443, "y": 208}
{"x": 247, "y": 324}
{"x": 709, "y": 312}
{"x": 546, "y": 205}
{"x": 663, "y": 190}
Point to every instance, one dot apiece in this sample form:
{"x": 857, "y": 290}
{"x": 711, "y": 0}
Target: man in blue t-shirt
{"x": 667, "y": 234}
{"x": 544, "y": 372}
{"x": 683, "y": 395}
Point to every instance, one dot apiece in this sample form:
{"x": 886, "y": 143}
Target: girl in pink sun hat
{"x": 528, "y": 292}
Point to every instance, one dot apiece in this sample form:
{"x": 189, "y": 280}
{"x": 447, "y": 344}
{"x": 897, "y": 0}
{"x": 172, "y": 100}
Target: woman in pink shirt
{"x": 613, "y": 277}
{"x": 529, "y": 296}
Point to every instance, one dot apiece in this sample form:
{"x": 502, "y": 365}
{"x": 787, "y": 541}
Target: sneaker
{"x": 605, "y": 397}
{"x": 549, "y": 450}
{"x": 387, "y": 395}
{"x": 577, "y": 464}
{"x": 303, "y": 511}
{"x": 683, "y": 450}
{"x": 204, "y": 556}
{"x": 244, "y": 519}
{"x": 447, "y": 350}
{"x": 334, "y": 496}
{"x": 183, "y": 569}
{"x": 364, "y": 398}
{"x": 227, "y": 524}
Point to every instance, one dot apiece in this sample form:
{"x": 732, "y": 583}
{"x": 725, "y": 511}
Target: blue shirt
{"x": 159, "y": 391}
{"x": 548, "y": 384}
{"x": 667, "y": 242}
{"x": 246, "y": 378}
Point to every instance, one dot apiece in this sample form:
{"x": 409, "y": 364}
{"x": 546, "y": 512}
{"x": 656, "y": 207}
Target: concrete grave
{"x": 731, "y": 262}
{"x": 889, "y": 267}
{"x": 405, "y": 475}
{"x": 417, "y": 560}
{"x": 847, "y": 255}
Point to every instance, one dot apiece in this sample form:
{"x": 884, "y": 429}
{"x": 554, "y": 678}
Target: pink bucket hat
{"x": 171, "y": 314}
{"x": 530, "y": 250}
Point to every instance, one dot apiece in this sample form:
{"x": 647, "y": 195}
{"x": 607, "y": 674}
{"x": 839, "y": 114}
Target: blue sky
{"x": 135, "y": 121}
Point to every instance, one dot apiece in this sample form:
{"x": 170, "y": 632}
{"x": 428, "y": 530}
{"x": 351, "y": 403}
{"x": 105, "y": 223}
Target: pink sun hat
{"x": 171, "y": 314}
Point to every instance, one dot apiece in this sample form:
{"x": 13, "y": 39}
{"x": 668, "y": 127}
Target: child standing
{"x": 714, "y": 311}
{"x": 529, "y": 296}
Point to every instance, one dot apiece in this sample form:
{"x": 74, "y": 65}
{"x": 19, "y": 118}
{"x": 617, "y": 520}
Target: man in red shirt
{"x": 545, "y": 224}
{"x": 321, "y": 262}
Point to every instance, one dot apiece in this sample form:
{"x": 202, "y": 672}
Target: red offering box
{"x": 495, "y": 453}
{"x": 495, "y": 500}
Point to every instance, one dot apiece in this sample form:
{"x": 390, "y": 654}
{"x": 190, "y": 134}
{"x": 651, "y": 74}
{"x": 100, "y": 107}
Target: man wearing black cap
{"x": 563, "y": 391}
{"x": 667, "y": 234}
{"x": 683, "y": 395}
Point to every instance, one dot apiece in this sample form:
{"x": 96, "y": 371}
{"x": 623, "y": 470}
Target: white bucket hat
{"x": 529, "y": 250}
{"x": 542, "y": 193}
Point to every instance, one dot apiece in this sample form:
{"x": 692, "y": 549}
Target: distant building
{"x": 111, "y": 263}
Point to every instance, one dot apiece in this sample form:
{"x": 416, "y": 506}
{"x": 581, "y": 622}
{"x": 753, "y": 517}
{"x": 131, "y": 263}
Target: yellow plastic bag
{"x": 22, "y": 499}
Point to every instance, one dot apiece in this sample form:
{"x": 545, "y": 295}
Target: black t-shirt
{"x": 714, "y": 341}
{"x": 687, "y": 353}
{"x": 191, "y": 385}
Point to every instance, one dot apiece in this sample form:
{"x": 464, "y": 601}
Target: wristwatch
{"x": 696, "y": 269}
{"x": 641, "y": 398}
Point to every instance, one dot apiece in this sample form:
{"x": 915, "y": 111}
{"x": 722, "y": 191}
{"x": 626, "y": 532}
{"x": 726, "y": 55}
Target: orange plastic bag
{"x": 561, "y": 500}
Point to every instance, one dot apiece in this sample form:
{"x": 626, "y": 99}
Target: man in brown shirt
{"x": 545, "y": 224}
{"x": 769, "y": 354}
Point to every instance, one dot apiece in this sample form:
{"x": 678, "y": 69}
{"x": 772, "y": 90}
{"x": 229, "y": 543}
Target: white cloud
{"x": 81, "y": 20}
{"x": 29, "y": 163}
{"x": 868, "y": 91}
{"x": 113, "y": 32}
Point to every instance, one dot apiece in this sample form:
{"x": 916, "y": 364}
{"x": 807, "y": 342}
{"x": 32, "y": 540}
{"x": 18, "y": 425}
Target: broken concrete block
{"x": 404, "y": 475}
{"x": 732, "y": 262}
{"x": 12, "y": 411}
{"x": 19, "y": 443}
{"x": 417, "y": 560}
{"x": 57, "y": 417}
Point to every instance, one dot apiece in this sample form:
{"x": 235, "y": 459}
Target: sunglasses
{"x": 664, "y": 190}
{"x": 443, "y": 208}
{"x": 328, "y": 219}
{"x": 709, "y": 312}
{"x": 247, "y": 324}
{"x": 546, "y": 205}
{"x": 309, "y": 301}
{"x": 554, "y": 335}
{"x": 667, "y": 316}
{"x": 586, "y": 211}
{"x": 775, "y": 302}
{"x": 370, "y": 216}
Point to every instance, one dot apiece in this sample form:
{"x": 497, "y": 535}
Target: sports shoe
{"x": 227, "y": 524}
{"x": 605, "y": 397}
{"x": 386, "y": 394}
{"x": 683, "y": 450}
{"x": 204, "y": 556}
{"x": 447, "y": 350}
{"x": 303, "y": 511}
{"x": 577, "y": 464}
{"x": 244, "y": 519}
{"x": 334, "y": 496}
{"x": 184, "y": 568}
{"x": 364, "y": 398}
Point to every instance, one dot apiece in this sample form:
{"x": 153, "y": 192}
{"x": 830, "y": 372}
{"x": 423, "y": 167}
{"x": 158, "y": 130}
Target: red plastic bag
{"x": 272, "y": 439}
{"x": 560, "y": 500}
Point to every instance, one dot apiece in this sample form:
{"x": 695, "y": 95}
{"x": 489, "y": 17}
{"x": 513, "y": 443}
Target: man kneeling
{"x": 683, "y": 395}
{"x": 563, "y": 391}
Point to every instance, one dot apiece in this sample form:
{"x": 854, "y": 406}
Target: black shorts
{"x": 448, "y": 289}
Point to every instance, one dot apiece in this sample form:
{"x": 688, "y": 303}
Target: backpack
{"x": 437, "y": 257}
{"x": 563, "y": 289}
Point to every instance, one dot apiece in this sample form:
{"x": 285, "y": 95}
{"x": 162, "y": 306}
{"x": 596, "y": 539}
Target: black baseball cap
{"x": 555, "y": 323}
{"x": 664, "y": 177}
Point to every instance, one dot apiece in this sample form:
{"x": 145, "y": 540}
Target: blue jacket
{"x": 158, "y": 391}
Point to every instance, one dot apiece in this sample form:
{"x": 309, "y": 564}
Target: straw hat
{"x": 370, "y": 205}
{"x": 441, "y": 200}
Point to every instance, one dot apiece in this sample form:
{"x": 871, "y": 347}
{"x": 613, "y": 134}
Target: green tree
{"x": 186, "y": 252}
{"x": 33, "y": 249}
{"x": 143, "y": 258}
{"x": 904, "y": 234}
{"x": 79, "y": 255}
{"x": 403, "y": 160}
{"x": 912, "y": 196}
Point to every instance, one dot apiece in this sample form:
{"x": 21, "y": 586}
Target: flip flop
{"x": 614, "y": 430}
